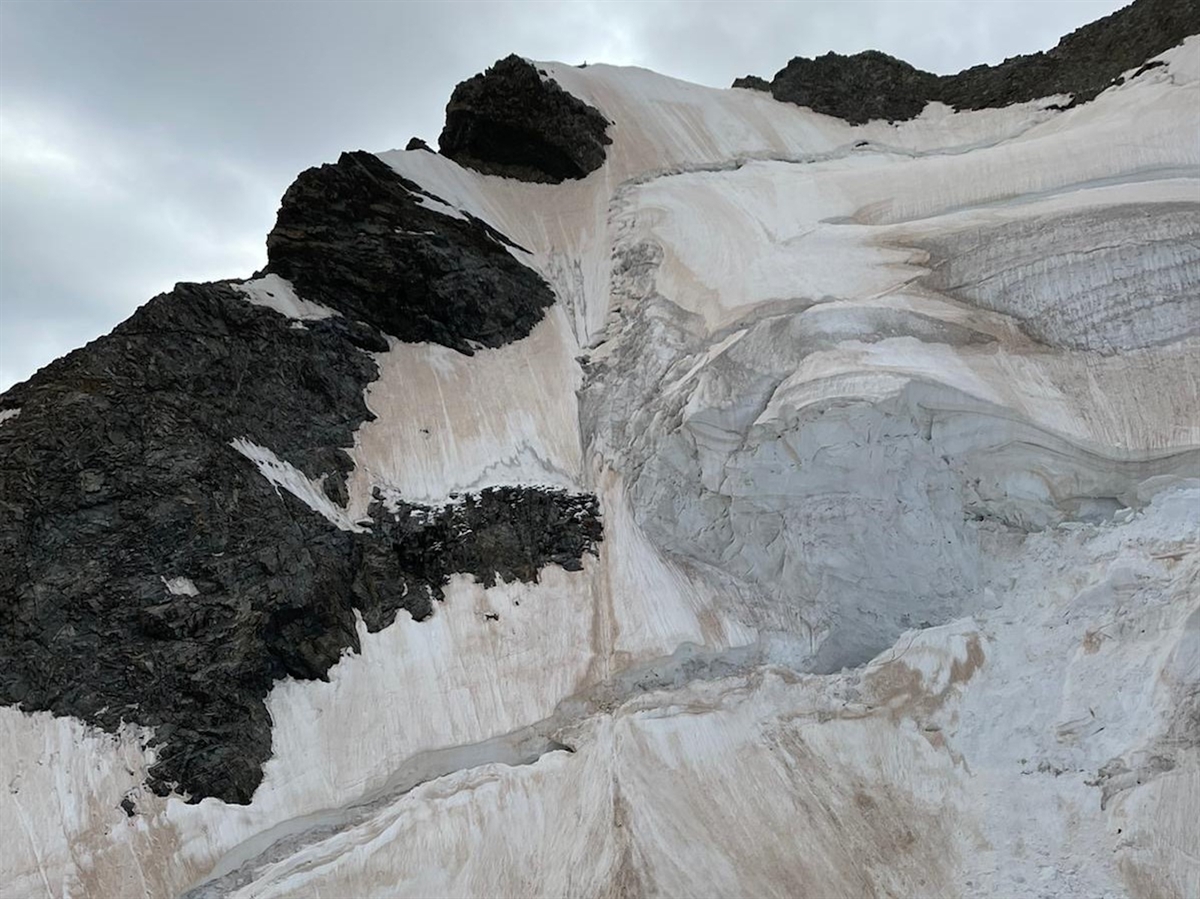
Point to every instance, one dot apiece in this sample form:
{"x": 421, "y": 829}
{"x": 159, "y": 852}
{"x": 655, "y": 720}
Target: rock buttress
{"x": 355, "y": 236}
{"x": 512, "y": 121}
{"x": 873, "y": 85}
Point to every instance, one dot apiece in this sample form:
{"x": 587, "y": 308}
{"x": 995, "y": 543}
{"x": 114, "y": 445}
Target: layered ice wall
{"x": 895, "y": 435}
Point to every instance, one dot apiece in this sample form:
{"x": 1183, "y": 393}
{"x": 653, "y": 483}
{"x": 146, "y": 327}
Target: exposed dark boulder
{"x": 358, "y": 238}
{"x": 512, "y": 121}
{"x": 872, "y": 85}
{"x": 509, "y": 533}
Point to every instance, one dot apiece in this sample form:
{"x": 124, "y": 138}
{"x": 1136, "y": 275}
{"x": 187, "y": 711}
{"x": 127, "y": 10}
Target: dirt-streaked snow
{"x": 900, "y": 587}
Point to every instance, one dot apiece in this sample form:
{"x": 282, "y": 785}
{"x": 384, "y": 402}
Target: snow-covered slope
{"x": 896, "y": 437}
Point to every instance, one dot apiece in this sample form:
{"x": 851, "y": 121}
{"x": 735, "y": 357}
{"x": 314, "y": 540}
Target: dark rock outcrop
{"x": 509, "y": 533}
{"x": 118, "y": 476}
{"x": 149, "y": 573}
{"x": 511, "y": 121}
{"x": 118, "y": 473}
{"x": 358, "y": 238}
{"x": 873, "y": 85}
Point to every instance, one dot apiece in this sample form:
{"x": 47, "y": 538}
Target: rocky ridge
{"x": 150, "y": 573}
{"x": 872, "y": 85}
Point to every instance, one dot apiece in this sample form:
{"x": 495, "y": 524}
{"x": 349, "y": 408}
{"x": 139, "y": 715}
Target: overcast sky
{"x": 144, "y": 143}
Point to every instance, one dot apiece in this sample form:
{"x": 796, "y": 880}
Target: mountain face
{"x": 660, "y": 490}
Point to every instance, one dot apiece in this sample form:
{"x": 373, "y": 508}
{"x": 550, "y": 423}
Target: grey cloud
{"x": 714, "y": 42}
{"x": 143, "y": 143}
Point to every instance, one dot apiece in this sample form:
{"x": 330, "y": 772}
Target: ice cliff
{"x": 660, "y": 490}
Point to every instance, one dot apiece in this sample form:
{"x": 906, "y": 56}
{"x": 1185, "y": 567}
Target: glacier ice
{"x": 896, "y": 434}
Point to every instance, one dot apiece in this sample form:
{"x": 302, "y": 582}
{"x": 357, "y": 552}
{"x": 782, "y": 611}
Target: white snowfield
{"x": 896, "y": 433}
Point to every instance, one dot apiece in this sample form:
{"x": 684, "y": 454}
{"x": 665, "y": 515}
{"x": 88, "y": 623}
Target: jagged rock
{"x": 150, "y": 574}
{"x": 873, "y": 85}
{"x": 360, "y": 239}
{"x": 144, "y": 486}
{"x": 415, "y": 143}
{"x": 509, "y": 533}
{"x": 511, "y": 121}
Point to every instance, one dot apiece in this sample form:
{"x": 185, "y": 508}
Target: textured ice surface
{"x": 895, "y": 431}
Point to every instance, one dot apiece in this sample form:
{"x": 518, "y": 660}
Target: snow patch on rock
{"x": 180, "y": 586}
{"x": 283, "y": 474}
{"x": 277, "y": 293}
